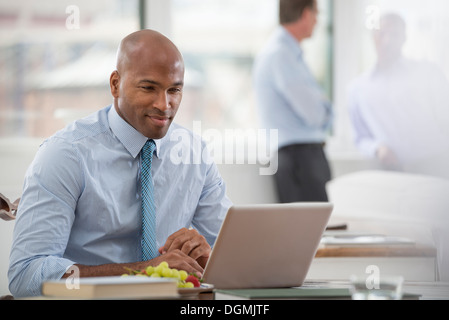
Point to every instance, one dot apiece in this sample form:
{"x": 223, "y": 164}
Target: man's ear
{"x": 114, "y": 83}
{"x": 306, "y": 13}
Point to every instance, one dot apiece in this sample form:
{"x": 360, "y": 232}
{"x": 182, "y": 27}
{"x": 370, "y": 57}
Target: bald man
{"x": 80, "y": 212}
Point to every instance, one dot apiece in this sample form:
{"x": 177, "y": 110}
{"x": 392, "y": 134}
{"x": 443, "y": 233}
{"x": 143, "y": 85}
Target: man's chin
{"x": 157, "y": 133}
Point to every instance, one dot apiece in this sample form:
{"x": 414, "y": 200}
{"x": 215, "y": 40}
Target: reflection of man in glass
{"x": 399, "y": 109}
{"x": 290, "y": 101}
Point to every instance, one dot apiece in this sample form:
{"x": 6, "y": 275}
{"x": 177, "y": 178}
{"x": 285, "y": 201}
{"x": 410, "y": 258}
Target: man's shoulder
{"x": 89, "y": 126}
{"x": 273, "y": 56}
{"x": 274, "y": 49}
{"x": 362, "y": 80}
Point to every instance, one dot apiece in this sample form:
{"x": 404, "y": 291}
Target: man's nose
{"x": 163, "y": 101}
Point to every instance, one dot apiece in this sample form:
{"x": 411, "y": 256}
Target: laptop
{"x": 267, "y": 245}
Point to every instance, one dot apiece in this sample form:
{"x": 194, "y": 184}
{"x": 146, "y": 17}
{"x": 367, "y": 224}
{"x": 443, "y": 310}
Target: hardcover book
{"x": 8, "y": 209}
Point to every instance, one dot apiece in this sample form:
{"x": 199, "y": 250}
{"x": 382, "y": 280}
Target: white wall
{"x": 347, "y": 21}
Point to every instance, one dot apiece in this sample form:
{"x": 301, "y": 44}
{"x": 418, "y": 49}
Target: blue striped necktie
{"x": 149, "y": 249}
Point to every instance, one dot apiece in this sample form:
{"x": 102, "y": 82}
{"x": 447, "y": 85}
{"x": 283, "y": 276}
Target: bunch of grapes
{"x": 163, "y": 270}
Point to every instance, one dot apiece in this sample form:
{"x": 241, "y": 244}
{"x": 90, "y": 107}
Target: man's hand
{"x": 179, "y": 260}
{"x": 189, "y": 242}
{"x": 185, "y": 250}
{"x": 174, "y": 258}
{"x": 387, "y": 157}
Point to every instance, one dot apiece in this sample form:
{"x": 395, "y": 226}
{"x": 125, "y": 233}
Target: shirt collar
{"x": 131, "y": 139}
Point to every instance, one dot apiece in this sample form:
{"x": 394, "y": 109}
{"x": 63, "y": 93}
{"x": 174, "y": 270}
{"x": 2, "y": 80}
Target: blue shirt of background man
{"x": 287, "y": 95}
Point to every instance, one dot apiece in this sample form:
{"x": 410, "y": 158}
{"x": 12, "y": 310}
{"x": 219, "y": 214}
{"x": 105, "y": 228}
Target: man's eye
{"x": 175, "y": 90}
{"x": 147, "y": 88}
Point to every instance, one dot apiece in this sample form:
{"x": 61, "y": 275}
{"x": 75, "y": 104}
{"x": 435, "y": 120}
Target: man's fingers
{"x": 174, "y": 241}
{"x": 188, "y": 241}
{"x": 196, "y": 248}
{"x": 179, "y": 260}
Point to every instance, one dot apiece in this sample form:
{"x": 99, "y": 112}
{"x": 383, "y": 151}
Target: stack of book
{"x": 8, "y": 209}
{"x": 126, "y": 287}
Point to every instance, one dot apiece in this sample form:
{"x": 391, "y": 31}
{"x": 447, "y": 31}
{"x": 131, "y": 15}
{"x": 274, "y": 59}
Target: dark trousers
{"x": 303, "y": 171}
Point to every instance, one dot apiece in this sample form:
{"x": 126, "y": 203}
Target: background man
{"x": 399, "y": 108}
{"x": 290, "y": 100}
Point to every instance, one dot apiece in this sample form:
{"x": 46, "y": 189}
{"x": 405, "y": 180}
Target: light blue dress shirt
{"x": 404, "y": 107}
{"x": 287, "y": 95}
{"x": 81, "y": 199}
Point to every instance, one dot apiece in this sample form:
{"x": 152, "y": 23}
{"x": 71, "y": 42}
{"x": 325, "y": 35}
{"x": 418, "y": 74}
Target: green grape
{"x": 167, "y": 272}
{"x": 163, "y": 270}
{"x": 176, "y": 274}
{"x": 149, "y": 270}
{"x": 183, "y": 275}
{"x": 159, "y": 269}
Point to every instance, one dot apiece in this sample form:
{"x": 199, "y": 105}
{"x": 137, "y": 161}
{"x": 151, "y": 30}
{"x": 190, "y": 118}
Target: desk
{"x": 405, "y": 249}
{"x": 426, "y": 290}
{"x": 376, "y": 251}
{"x": 414, "y": 262}
{"x": 340, "y": 290}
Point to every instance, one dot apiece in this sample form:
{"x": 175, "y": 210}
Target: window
{"x": 219, "y": 40}
{"x": 56, "y": 57}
